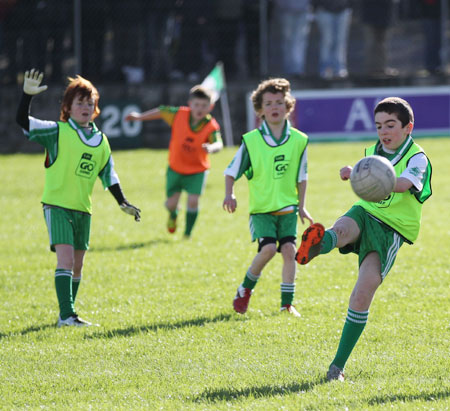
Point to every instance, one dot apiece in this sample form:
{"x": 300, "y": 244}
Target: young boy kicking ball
{"x": 274, "y": 160}
{"x": 376, "y": 231}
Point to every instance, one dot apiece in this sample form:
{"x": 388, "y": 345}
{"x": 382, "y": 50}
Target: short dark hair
{"x": 397, "y": 106}
{"x": 200, "y": 92}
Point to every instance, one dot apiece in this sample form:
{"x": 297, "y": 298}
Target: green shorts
{"x": 282, "y": 228}
{"x": 191, "y": 183}
{"x": 67, "y": 227}
{"x": 375, "y": 236}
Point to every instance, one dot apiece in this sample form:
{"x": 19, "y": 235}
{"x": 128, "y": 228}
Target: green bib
{"x": 401, "y": 211}
{"x": 274, "y": 171}
{"x": 70, "y": 179}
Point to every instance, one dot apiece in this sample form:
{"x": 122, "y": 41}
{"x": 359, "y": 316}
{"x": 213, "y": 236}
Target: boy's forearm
{"x": 402, "y": 184}
{"x": 153, "y": 114}
{"x": 23, "y": 110}
{"x": 301, "y": 193}
{"x": 229, "y": 185}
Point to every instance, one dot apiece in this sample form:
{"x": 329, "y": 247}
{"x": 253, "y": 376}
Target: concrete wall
{"x": 156, "y": 133}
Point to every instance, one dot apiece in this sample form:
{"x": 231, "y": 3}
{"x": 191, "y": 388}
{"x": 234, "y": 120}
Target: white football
{"x": 373, "y": 178}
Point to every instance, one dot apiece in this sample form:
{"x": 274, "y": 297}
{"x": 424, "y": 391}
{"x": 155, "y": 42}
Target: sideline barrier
{"x": 337, "y": 115}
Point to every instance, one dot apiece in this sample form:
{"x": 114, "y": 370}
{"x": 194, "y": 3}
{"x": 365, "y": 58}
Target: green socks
{"x": 329, "y": 241}
{"x": 173, "y": 213}
{"x": 75, "y": 285}
{"x": 353, "y": 327}
{"x": 63, "y": 285}
{"x": 191, "y": 216}
{"x": 250, "y": 280}
{"x": 287, "y": 293}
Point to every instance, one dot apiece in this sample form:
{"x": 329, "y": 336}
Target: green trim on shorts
{"x": 375, "y": 236}
{"x": 191, "y": 183}
{"x": 67, "y": 227}
{"x": 276, "y": 226}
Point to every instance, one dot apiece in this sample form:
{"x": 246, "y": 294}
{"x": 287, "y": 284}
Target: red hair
{"x": 82, "y": 87}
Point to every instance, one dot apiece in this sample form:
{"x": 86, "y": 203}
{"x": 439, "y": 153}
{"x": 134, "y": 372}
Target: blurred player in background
{"x": 76, "y": 153}
{"x": 195, "y": 134}
{"x": 274, "y": 160}
{"x": 376, "y": 231}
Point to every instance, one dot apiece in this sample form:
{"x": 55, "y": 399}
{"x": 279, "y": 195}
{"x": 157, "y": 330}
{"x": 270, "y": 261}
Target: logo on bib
{"x": 280, "y": 165}
{"x": 86, "y": 166}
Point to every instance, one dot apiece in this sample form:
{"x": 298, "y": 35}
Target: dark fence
{"x": 166, "y": 40}
{"x": 151, "y": 52}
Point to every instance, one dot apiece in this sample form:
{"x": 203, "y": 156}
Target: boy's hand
{"x": 207, "y": 147}
{"x": 133, "y": 116}
{"x": 128, "y": 208}
{"x": 345, "y": 172}
{"x": 303, "y": 213}
{"x": 212, "y": 148}
{"x": 32, "y": 81}
{"x": 230, "y": 203}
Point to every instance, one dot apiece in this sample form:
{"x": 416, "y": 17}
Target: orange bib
{"x": 186, "y": 155}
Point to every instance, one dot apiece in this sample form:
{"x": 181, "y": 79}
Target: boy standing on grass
{"x": 76, "y": 154}
{"x": 274, "y": 160}
{"x": 195, "y": 134}
{"x": 376, "y": 231}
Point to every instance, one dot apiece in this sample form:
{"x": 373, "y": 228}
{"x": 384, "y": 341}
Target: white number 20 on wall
{"x": 114, "y": 124}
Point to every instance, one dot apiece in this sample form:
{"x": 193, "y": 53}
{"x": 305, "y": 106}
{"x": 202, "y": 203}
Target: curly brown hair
{"x": 82, "y": 87}
{"x": 273, "y": 85}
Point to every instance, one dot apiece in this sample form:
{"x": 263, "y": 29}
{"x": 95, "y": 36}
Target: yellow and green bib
{"x": 401, "y": 211}
{"x": 274, "y": 171}
{"x": 70, "y": 179}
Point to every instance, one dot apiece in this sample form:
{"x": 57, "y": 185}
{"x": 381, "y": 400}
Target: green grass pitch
{"x": 168, "y": 337}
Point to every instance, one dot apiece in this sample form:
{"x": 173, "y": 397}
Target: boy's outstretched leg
{"x": 311, "y": 243}
{"x": 316, "y": 240}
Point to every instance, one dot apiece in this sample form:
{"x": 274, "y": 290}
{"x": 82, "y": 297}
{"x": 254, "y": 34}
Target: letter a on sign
{"x": 358, "y": 112}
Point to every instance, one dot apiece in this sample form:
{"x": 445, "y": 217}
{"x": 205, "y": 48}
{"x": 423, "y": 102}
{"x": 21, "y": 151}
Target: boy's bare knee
{"x": 347, "y": 231}
{"x": 269, "y": 250}
{"x": 288, "y": 251}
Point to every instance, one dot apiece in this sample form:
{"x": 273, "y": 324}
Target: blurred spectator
{"x": 5, "y": 8}
{"x": 292, "y": 19}
{"x": 377, "y": 15}
{"x": 129, "y": 20}
{"x": 52, "y": 17}
{"x": 93, "y": 17}
{"x": 333, "y": 19}
{"x": 430, "y": 11}
{"x": 159, "y": 38}
{"x": 252, "y": 36}
{"x": 195, "y": 24}
{"x": 20, "y": 40}
{"x": 228, "y": 15}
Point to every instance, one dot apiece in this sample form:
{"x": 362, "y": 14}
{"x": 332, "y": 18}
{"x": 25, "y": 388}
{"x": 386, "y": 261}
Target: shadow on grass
{"x": 404, "y": 398}
{"x": 32, "y": 329}
{"x": 132, "y": 330}
{"x": 131, "y": 246}
{"x": 225, "y": 394}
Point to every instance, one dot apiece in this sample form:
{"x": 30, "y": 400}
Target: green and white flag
{"x": 215, "y": 81}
